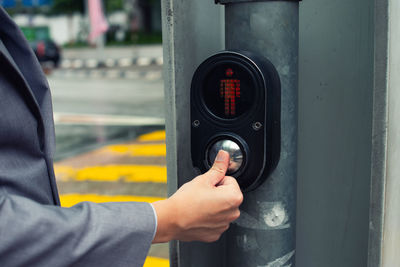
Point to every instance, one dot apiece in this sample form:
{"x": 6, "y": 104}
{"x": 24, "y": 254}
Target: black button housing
{"x": 236, "y": 95}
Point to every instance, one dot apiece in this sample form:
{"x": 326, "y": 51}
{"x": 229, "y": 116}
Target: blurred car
{"x": 47, "y": 51}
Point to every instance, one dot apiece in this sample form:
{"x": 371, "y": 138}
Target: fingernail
{"x": 220, "y": 156}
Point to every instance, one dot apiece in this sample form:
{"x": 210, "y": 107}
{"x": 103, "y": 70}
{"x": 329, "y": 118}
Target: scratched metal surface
{"x": 264, "y": 235}
{"x": 391, "y": 226}
{"x": 192, "y": 31}
{"x": 336, "y": 64}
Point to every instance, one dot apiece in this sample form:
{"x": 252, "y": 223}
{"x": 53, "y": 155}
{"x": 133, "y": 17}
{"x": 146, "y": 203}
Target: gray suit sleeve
{"x": 87, "y": 234}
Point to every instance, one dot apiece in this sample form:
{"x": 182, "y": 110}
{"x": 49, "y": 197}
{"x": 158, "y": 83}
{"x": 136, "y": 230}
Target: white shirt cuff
{"x": 155, "y": 217}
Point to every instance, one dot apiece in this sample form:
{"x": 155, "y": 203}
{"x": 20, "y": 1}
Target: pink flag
{"x": 98, "y": 24}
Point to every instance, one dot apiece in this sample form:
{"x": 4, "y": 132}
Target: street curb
{"x": 103, "y": 73}
{"x": 91, "y": 63}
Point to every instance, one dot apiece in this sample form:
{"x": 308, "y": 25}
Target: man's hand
{"x": 202, "y": 209}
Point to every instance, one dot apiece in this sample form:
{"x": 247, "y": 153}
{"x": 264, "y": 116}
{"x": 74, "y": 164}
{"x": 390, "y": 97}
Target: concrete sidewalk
{"x": 131, "y": 171}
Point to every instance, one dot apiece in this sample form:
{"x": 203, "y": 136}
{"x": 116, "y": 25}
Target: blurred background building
{"x": 66, "y": 21}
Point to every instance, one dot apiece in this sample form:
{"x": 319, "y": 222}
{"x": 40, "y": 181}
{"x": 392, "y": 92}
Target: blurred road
{"x": 90, "y": 111}
{"x": 108, "y": 96}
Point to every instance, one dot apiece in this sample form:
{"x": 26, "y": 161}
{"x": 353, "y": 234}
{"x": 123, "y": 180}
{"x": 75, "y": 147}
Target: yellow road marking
{"x": 68, "y": 200}
{"x": 144, "y": 150}
{"x": 153, "y": 136}
{"x": 112, "y": 173}
{"x": 156, "y": 262}
{"x": 64, "y": 173}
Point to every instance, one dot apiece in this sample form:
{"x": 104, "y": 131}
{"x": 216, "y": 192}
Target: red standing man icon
{"x": 229, "y": 90}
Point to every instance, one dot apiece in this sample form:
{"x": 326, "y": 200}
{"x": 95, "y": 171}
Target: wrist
{"x": 167, "y": 226}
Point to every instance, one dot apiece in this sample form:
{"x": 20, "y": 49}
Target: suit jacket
{"x": 34, "y": 229}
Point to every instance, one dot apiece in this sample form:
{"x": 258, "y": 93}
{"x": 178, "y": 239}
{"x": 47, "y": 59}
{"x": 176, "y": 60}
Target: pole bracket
{"x": 223, "y": 2}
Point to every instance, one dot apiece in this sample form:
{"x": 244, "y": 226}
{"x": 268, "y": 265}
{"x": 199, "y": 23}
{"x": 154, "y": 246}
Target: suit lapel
{"x": 36, "y": 111}
{"x": 5, "y": 52}
{"x": 25, "y": 90}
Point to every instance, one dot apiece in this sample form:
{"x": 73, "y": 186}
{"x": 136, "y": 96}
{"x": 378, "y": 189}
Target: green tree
{"x": 67, "y": 7}
{"x": 72, "y": 6}
{"x": 113, "y": 5}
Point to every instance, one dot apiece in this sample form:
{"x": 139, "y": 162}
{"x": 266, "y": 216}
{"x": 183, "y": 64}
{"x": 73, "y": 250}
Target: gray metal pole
{"x": 192, "y": 31}
{"x": 264, "y": 235}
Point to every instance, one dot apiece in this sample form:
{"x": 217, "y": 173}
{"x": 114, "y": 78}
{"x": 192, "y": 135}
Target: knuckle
{"x": 212, "y": 238}
{"x": 216, "y": 237}
{"x": 229, "y": 178}
{"x": 236, "y": 214}
{"x": 237, "y": 199}
{"x": 233, "y": 180}
{"x": 233, "y": 215}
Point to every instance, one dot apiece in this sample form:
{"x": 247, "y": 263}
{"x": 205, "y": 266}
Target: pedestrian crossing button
{"x": 235, "y": 154}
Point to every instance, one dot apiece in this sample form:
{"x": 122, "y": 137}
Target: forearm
{"x": 88, "y": 234}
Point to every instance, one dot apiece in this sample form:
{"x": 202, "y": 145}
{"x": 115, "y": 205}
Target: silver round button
{"x": 235, "y": 153}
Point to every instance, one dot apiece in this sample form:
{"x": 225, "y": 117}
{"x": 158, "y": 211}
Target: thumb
{"x": 218, "y": 170}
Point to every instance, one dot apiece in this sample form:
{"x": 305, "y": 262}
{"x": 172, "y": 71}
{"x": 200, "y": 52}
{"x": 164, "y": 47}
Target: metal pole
{"x": 264, "y": 235}
{"x": 192, "y": 31}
